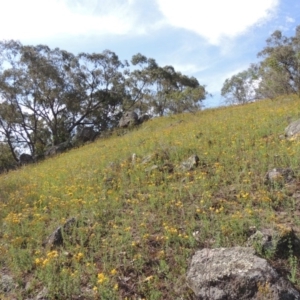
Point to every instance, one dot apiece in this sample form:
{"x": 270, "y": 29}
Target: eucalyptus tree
{"x": 242, "y": 87}
{"x": 17, "y": 123}
{"x": 99, "y": 86}
{"x": 280, "y": 67}
{"x": 47, "y": 94}
{"x": 138, "y": 83}
{"x": 277, "y": 72}
{"x": 52, "y": 92}
{"x": 162, "y": 90}
{"x": 181, "y": 93}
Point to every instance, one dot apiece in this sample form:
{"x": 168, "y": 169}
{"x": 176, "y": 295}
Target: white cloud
{"x": 215, "y": 19}
{"x": 290, "y": 20}
{"x": 188, "y": 68}
{"x": 33, "y": 19}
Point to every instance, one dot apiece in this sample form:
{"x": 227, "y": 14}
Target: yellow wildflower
{"x": 113, "y": 272}
{"x": 79, "y": 256}
{"x": 101, "y": 278}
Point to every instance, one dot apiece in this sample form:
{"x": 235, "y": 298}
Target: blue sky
{"x": 208, "y": 39}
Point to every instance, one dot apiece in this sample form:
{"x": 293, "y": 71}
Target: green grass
{"x": 136, "y": 230}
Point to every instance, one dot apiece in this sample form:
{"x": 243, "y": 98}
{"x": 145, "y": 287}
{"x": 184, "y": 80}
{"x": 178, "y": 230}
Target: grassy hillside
{"x": 135, "y": 229}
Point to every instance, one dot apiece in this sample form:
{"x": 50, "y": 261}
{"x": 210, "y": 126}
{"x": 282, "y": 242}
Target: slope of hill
{"x": 134, "y": 215}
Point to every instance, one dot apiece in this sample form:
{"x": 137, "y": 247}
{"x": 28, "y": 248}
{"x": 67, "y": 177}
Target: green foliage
{"x": 239, "y": 88}
{"x": 293, "y": 264}
{"x": 161, "y": 89}
{"x": 278, "y": 72}
{"x": 279, "y": 69}
{"x": 47, "y": 94}
{"x": 7, "y": 161}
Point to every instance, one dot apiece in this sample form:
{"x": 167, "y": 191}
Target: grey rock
{"x": 293, "y": 129}
{"x": 190, "y": 163}
{"x": 282, "y": 137}
{"x": 7, "y": 283}
{"x": 50, "y": 151}
{"x": 279, "y": 175}
{"x": 270, "y": 241}
{"x": 42, "y": 295}
{"x": 236, "y": 273}
{"x": 143, "y": 118}
{"x": 87, "y": 134}
{"x": 130, "y": 118}
{"x": 133, "y": 158}
{"x": 60, "y": 148}
{"x": 25, "y": 159}
{"x": 148, "y": 158}
{"x": 152, "y": 168}
{"x": 56, "y": 237}
{"x": 265, "y": 239}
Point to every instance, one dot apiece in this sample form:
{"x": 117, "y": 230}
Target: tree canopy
{"x": 240, "y": 87}
{"x": 277, "y": 72}
{"x": 47, "y": 94}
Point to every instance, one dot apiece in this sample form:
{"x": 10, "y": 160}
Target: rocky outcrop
{"x": 130, "y": 118}
{"x": 279, "y": 176}
{"x": 268, "y": 240}
{"x": 25, "y": 159}
{"x": 189, "y": 164}
{"x": 87, "y": 134}
{"x": 293, "y": 130}
{"x": 7, "y": 283}
{"x": 236, "y": 273}
{"x": 42, "y": 295}
{"x": 162, "y": 164}
{"x": 60, "y": 148}
{"x": 143, "y": 118}
{"x": 56, "y": 237}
